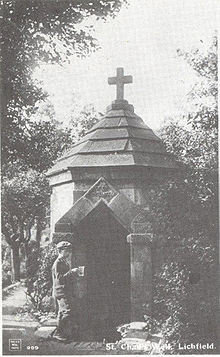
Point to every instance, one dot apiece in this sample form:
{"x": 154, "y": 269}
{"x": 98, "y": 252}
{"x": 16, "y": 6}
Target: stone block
{"x": 77, "y": 194}
{"x": 44, "y": 331}
{"x": 141, "y": 274}
{"x": 114, "y": 174}
{"x": 48, "y": 322}
{"x": 113, "y": 113}
{"x": 140, "y": 238}
{"x": 136, "y": 338}
{"x": 108, "y": 159}
{"x": 101, "y": 189}
{"x": 111, "y": 133}
{"x": 65, "y": 226}
{"x": 138, "y": 309}
{"x": 124, "y": 208}
{"x": 60, "y": 236}
{"x": 61, "y": 202}
{"x": 107, "y": 146}
{"x": 75, "y": 149}
{"x": 106, "y": 123}
{"x": 78, "y": 211}
{"x": 138, "y": 268}
{"x": 63, "y": 177}
{"x": 133, "y": 123}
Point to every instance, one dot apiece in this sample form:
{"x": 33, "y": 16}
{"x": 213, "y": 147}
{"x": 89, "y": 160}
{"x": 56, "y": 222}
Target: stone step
{"x": 11, "y": 323}
{"x": 44, "y": 331}
{"x": 49, "y": 322}
{"x": 14, "y": 330}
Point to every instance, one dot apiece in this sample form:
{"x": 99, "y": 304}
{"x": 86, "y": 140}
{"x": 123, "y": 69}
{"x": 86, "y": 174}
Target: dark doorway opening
{"x": 108, "y": 271}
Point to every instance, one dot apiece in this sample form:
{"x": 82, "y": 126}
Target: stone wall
{"x": 68, "y": 187}
{"x": 60, "y": 202}
{"x": 65, "y": 195}
{"x": 141, "y": 275}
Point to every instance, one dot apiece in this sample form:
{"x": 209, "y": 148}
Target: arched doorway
{"x": 108, "y": 268}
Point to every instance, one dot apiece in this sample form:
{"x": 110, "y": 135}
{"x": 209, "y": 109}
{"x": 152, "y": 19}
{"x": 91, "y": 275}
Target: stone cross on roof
{"x": 120, "y": 80}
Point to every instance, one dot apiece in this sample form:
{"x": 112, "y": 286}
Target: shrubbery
{"x": 39, "y": 276}
{"x": 6, "y": 271}
{"x": 185, "y": 229}
{"x": 6, "y": 264}
{"x": 183, "y": 215}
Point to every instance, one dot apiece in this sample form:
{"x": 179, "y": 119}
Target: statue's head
{"x": 65, "y": 249}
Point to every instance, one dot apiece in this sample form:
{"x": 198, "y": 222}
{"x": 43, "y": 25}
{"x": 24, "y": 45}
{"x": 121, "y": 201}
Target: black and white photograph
{"x": 109, "y": 177}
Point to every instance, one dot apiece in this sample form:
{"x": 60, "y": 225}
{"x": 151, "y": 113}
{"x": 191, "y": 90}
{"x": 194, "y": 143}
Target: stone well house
{"x": 99, "y": 189}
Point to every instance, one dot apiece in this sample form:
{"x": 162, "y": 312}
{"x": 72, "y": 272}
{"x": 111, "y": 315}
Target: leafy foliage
{"x": 83, "y": 121}
{"x": 24, "y": 196}
{"x": 185, "y": 231}
{"x": 199, "y": 149}
{"x": 45, "y": 141}
{"x": 34, "y": 31}
{"x": 39, "y": 278}
{"x": 182, "y": 216}
{"x": 6, "y": 264}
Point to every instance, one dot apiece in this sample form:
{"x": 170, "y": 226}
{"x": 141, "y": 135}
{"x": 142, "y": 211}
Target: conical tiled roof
{"x": 121, "y": 138}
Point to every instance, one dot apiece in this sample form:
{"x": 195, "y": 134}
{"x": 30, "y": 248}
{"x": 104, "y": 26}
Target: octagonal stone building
{"x": 99, "y": 187}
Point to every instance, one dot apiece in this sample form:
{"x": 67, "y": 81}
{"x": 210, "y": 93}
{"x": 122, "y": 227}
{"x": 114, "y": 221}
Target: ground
{"x": 19, "y": 333}
{"x": 14, "y": 299}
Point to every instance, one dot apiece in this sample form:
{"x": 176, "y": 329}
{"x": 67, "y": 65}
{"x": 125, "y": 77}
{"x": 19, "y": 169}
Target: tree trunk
{"x": 15, "y": 263}
{"x": 38, "y": 233}
{"x": 26, "y": 258}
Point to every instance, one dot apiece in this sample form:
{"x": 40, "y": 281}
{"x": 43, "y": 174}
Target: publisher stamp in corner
{"x": 15, "y": 344}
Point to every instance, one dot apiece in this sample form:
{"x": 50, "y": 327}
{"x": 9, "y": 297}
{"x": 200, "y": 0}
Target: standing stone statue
{"x": 63, "y": 292}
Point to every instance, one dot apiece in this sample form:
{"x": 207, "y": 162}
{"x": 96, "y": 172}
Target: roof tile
{"x": 121, "y": 138}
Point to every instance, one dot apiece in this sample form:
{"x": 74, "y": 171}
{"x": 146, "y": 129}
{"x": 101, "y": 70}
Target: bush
{"x": 6, "y": 273}
{"x": 185, "y": 305}
{"x": 6, "y": 264}
{"x": 39, "y": 277}
{"x": 185, "y": 274}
